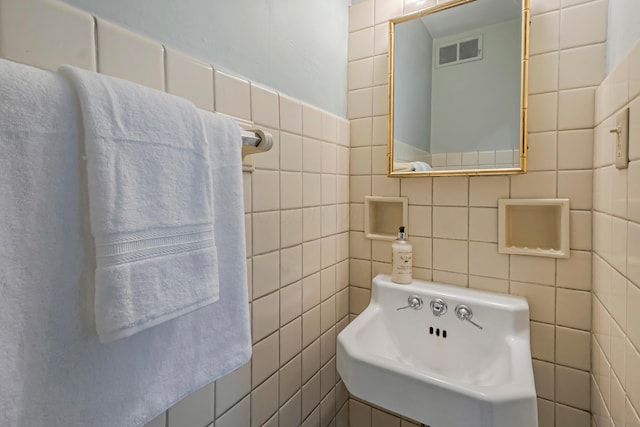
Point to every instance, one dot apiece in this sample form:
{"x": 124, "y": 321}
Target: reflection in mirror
{"x": 457, "y": 89}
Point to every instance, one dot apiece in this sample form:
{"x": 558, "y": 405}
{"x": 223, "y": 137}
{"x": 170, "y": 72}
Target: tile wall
{"x": 297, "y": 214}
{"x": 453, "y": 220}
{"x": 615, "y": 343}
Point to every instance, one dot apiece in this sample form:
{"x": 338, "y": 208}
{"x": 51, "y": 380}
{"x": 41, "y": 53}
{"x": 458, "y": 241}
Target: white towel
{"x": 411, "y": 166}
{"x": 150, "y": 204}
{"x": 53, "y": 369}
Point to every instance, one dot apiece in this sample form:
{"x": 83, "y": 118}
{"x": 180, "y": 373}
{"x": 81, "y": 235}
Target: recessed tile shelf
{"x": 383, "y": 216}
{"x": 538, "y": 227}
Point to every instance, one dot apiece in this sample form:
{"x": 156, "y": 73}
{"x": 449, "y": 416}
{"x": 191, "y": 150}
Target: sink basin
{"x": 440, "y": 370}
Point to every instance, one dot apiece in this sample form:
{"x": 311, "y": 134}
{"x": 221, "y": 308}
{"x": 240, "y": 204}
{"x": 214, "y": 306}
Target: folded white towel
{"x": 53, "y": 369}
{"x": 150, "y": 204}
{"x": 411, "y": 166}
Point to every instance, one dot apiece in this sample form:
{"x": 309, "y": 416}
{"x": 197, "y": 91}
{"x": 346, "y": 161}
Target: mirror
{"x": 457, "y": 89}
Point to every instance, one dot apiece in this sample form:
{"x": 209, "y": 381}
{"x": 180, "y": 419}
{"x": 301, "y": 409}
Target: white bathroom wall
{"x": 453, "y": 220}
{"x": 615, "y": 376}
{"x": 623, "y": 31}
{"x": 296, "y": 216}
{"x": 412, "y": 81}
{"x": 297, "y": 48}
{"x": 468, "y": 116}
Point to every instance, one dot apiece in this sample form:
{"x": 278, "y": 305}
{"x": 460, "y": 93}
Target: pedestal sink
{"x": 442, "y": 355}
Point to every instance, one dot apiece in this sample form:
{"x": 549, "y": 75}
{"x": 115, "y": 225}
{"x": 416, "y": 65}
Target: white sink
{"x": 442, "y": 371}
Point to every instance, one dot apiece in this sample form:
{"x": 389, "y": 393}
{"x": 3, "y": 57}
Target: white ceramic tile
{"x": 385, "y": 10}
{"x": 290, "y": 190}
{"x": 311, "y": 122}
{"x": 266, "y": 274}
{"x": 311, "y": 252}
{"x": 575, "y": 149}
{"x": 380, "y": 100}
{"x": 266, "y": 190}
{"x": 576, "y": 108}
{"x": 575, "y": 271}
{"x": 538, "y": 7}
{"x": 541, "y": 154}
{"x": 584, "y": 24}
{"x": 483, "y": 224}
{"x": 484, "y": 260}
{"x": 311, "y": 397}
{"x": 379, "y": 134}
{"x": 541, "y": 300}
{"x": 573, "y": 309}
{"x": 189, "y": 78}
{"x": 290, "y": 152}
{"x": 195, "y": 409}
{"x": 543, "y": 110}
{"x": 360, "y": 160}
{"x": 486, "y": 191}
{"x": 583, "y": 66}
{"x": 47, "y": 34}
{"x": 533, "y": 269}
{"x": 290, "y": 265}
{"x": 576, "y": 186}
{"x": 311, "y": 223}
{"x": 361, "y": 15}
{"x": 238, "y": 416}
{"x": 543, "y": 73}
{"x": 451, "y": 191}
{"x": 328, "y": 220}
{"x": 290, "y": 227}
{"x": 264, "y": 401}
{"x": 311, "y": 155}
{"x": 124, "y": 54}
{"x": 343, "y": 159}
{"x": 233, "y": 96}
{"x": 231, "y": 388}
{"x": 360, "y": 44}
{"x": 534, "y": 185}
{"x": 450, "y": 222}
{"x": 265, "y": 109}
{"x": 361, "y": 132}
{"x": 450, "y": 255}
{"x": 360, "y": 103}
{"x": 264, "y": 317}
{"x": 329, "y": 128}
{"x": 289, "y": 413}
{"x": 360, "y": 74}
{"x": 381, "y": 70}
{"x": 290, "y": 378}
{"x": 381, "y": 185}
{"x": 418, "y": 190}
{"x": 545, "y": 33}
{"x": 290, "y": 115}
{"x": 633, "y": 253}
{"x": 343, "y": 132}
{"x": 263, "y": 362}
{"x": 634, "y": 129}
{"x": 381, "y": 39}
{"x": 327, "y": 251}
{"x": 290, "y": 340}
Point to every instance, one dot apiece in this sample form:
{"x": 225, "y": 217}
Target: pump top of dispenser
{"x": 401, "y": 234}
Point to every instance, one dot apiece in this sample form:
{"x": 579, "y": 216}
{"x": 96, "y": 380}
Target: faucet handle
{"x": 414, "y": 301}
{"x": 463, "y": 312}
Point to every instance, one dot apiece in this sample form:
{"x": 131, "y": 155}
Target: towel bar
{"x": 255, "y": 141}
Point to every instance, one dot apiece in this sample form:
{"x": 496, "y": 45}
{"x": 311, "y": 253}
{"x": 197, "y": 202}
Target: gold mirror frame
{"x": 523, "y": 98}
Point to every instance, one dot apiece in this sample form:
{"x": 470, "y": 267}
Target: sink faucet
{"x": 464, "y": 313}
{"x": 414, "y": 301}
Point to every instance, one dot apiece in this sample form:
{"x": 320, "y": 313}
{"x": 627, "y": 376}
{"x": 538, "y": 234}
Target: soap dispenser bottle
{"x": 401, "y": 259}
